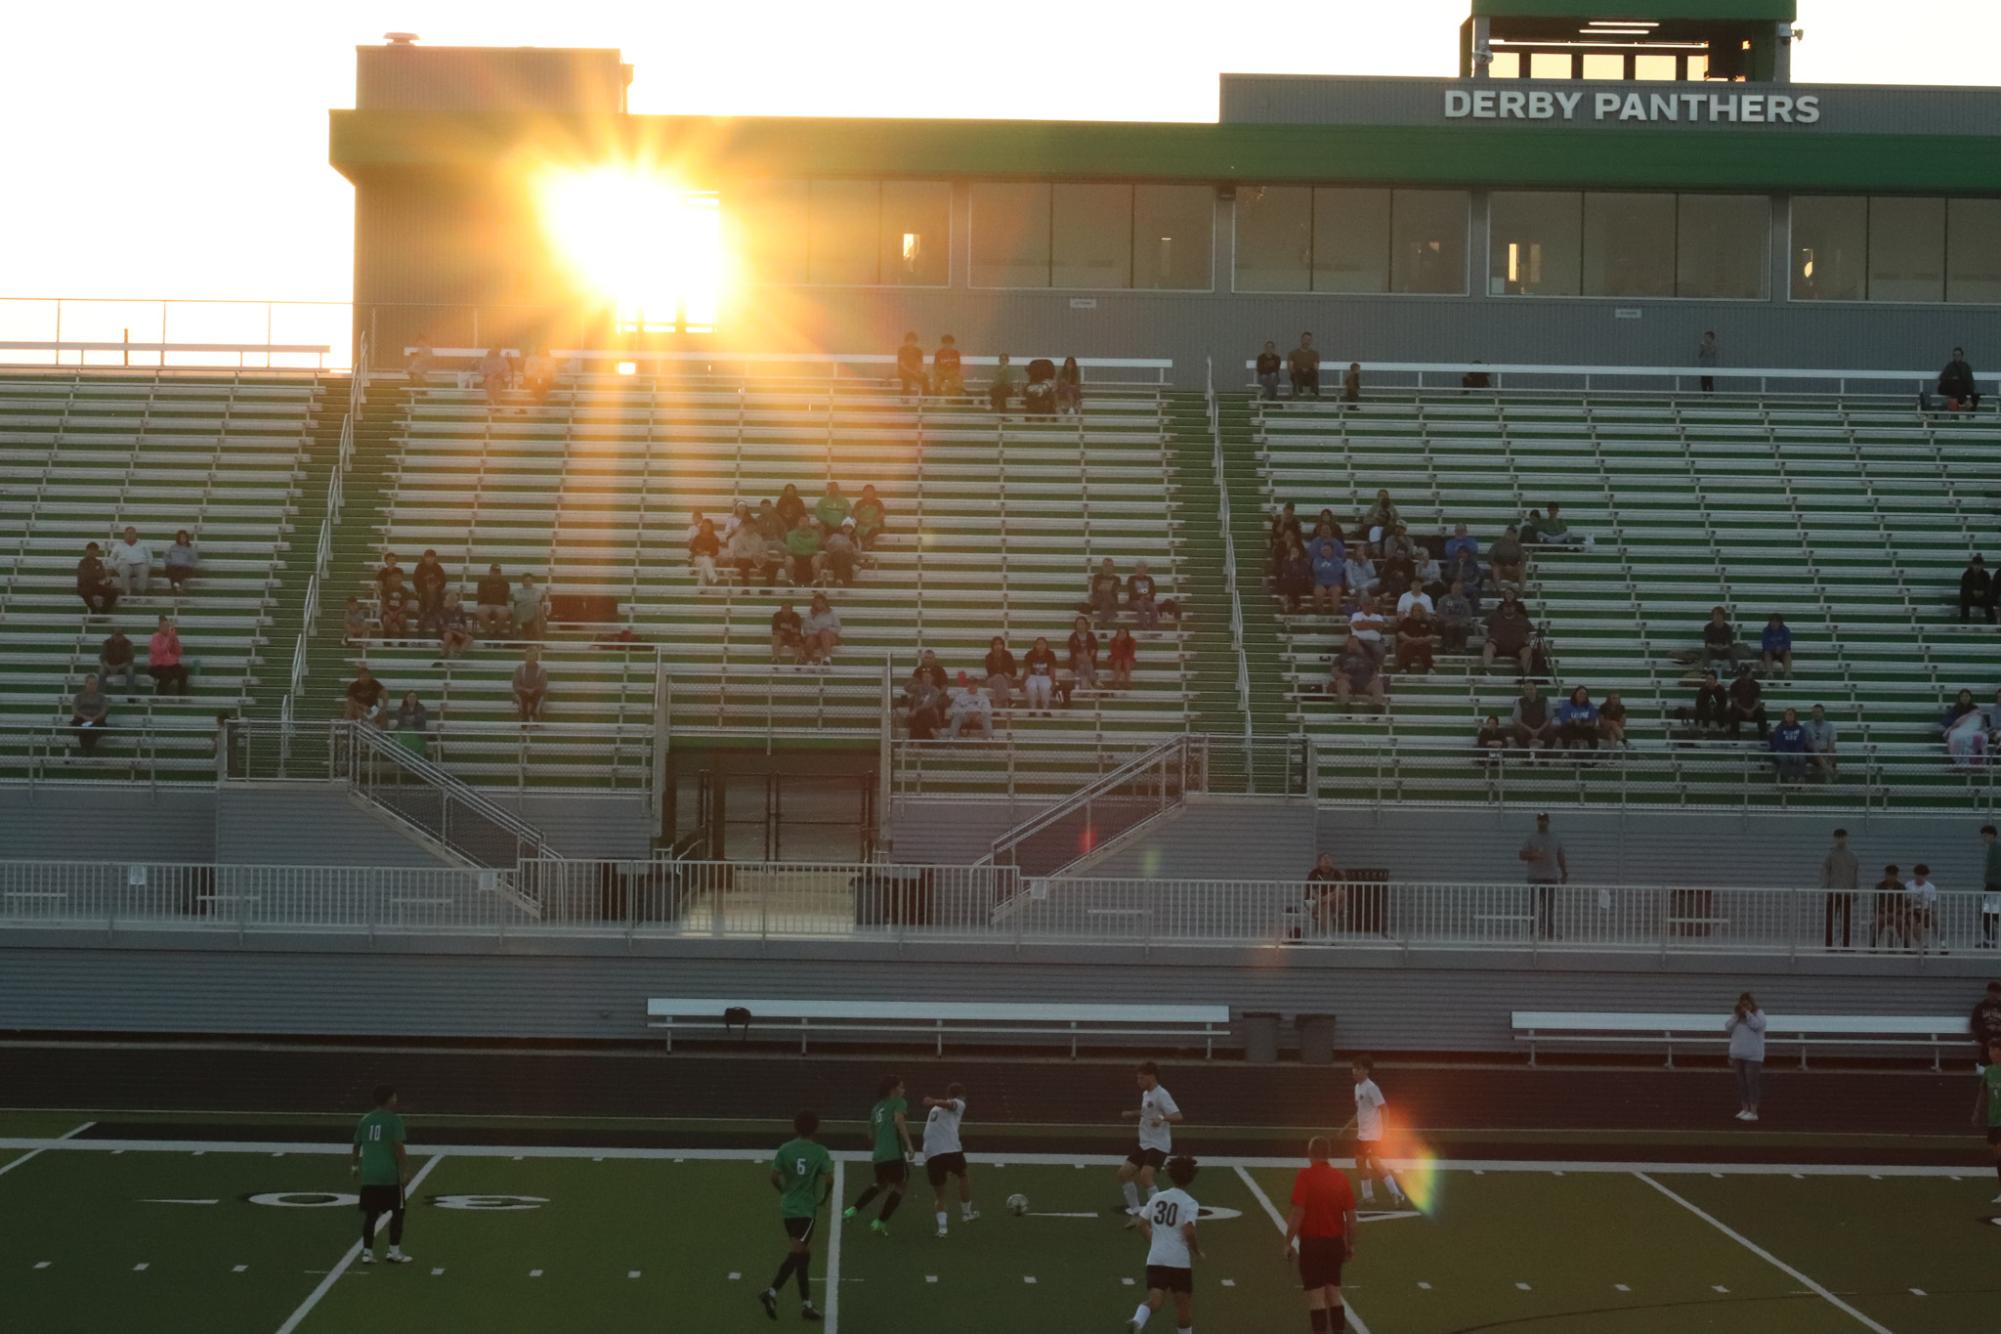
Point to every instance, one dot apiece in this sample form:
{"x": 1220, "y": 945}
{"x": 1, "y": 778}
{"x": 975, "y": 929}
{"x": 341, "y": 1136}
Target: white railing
{"x": 430, "y": 800}
{"x": 1901, "y": 385}
{"x": 1229, "y": 547}
{"x": 179, "y": 895}
{"x": 491, "y": 756}
{"x": 748, "y": 365}
{"x": 174, "y": 334}
{"x": 1146, "y": 787}
{"x": 357, "y": 394}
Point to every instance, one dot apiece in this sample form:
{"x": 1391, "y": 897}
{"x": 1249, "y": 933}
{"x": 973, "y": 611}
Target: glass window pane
{"x": 841, "y": 231}
{"x": 1973, "y": 250}
{"x": 1907, "y": 250}
{"x": 1628, "y": 244}
{"x": 1830, "y": 240}
{"x": 1351, "y": 240}
{"x": 1174, "y": 230}
{"x": 916, "y": 233}
{"x": 1428, "y": 241}
{"x": 1536, "y": 242}
{"x": 1092, "y": 236}
{"x": 1274, "y": 238}
{"x": 1010, "y": 235}
{"x": 766, "y": 221}
{"x": 1723, "y": 247}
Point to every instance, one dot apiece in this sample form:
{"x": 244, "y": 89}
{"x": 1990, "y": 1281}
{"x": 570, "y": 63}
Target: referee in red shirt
{"x": 1323, "y": 1222}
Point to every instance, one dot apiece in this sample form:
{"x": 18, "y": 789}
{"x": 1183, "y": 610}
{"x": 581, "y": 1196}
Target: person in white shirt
{"x": 944, "y": 1154}
{"x": 971, "y": 710}
{"x": 1172, "y": 1249}
{"x": 131, "y": 563}
{"x": 1365, "y": 626}
{"x": 1367, "y": 1123}
{"x": 1157, "y": 1115}
{"x": 1921, "y": 907}
{"x": 1416, "y": 597}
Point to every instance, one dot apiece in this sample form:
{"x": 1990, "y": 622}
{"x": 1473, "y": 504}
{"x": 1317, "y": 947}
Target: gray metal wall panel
{"x": 271, "y": 825}
{"x": 104, "y": 821}
{"x": 582, "y": 825}
{"x": 1221, "y": 839}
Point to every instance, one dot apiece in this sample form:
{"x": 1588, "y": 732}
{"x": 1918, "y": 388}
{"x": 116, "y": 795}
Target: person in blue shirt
{"x": 1789, "y": 747}
{"x": 1777, "y": 645}
{"x": 1577, "y": 721}
{"x": 1329, "y": 559}
{"x": 1461, "y": 540}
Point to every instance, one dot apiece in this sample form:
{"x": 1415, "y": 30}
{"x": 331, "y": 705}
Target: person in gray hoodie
{"x": 1746, "y": 1027}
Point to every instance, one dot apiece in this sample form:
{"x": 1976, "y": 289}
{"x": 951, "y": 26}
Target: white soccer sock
{"x": 941, "y": 1220}
{"x": 1132, "y": 1198}
{"x": 1140, "y": 1316}
{"x": 1152, "y": 1191}
{"x": 1368, "y": 1191}
{"x": 965, "y": 1209}
{"x": 1396, "y": 1191}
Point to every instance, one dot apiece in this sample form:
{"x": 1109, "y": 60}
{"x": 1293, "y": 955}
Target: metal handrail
{"x": 364, "y": 738}
{"x": 1176, "y": 747}
{"x": 1229, "y": 552}
{"x": 357, "y": 393}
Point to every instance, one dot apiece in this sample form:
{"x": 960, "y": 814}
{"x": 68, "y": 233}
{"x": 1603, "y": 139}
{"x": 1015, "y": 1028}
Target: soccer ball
{"x": 1017, "y": 1205}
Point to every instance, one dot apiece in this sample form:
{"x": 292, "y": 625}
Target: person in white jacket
{"x": 131, "y": 563}
{"x": 1746, "y": 1027}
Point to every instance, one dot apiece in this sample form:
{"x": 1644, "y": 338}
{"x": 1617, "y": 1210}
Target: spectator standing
{"x": 1976, "y": 589}
{"x": 429, "y": 579}
{"x": 1577, "y": 721}
{"x": 948, "y": 377}
{"x": 163, "y": 660}
{"x": 531, "y": 686}
{"x": 491, "y": 602}
{"x": 1120, "y": 657}
{"x": 1351, "y": 385}
{"x": 1304, "y": 362}
{"x": 1921, "y": 908}
{"x": 910, "y": 367}
{"x": 870, "y": 518}
{"x": 1706, "y": 355}
{"x": 115, "y": 661}
{"x": 1776, "y": 645}
{"x": 1083, "y": 647}
{"x": 94, "y": 583}
{"x": 1039, "y": 679}
{"x": 1535, "y": 726}
{"x": 363, "y": 702}
{"x": 1269, "y": 363}
{"x": 1990, "y": 891}
{"x": 1820, "y": 742}
{"x": 530, "y": 608}
{"x": 1140, "y": 594}
{"x": 90, "y": 715}
{"x": 1839, "y": 879}
{"x": 1000, "y": 388}
{"x": 1747, "y": 704}
{"x": 1003, "y": 677}
{"x": 1985, "y": 1023}
{"x": 1888, "y": 917}
{"x": 131, "y": 564}
{"x": 454, "y": 628}
{"x": 1612, "y": 722}
{"x": 1542, "y": 854}
{"x": 179, "y": 560}
{"x": 1746, "y": 1027}
{"x": 820, "y": 630}
{"x": 1789, "y": 747}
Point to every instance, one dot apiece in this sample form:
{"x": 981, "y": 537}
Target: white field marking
{"x": 534, "y": 1273}
{"x": 1917, "y": 1292}
{"x": 180, "y": 1201}
{"x": 1766, "y": 1256}
{"x": 1128, "y": 1282}
{"x": 1797, "y": 1177}
{"x": 1278, "y": 1221}
{"x": 1422, "y": 1286}
{"x": 1875, "y": 1176}
{"x": 297, "y": 1317}
{"x": 201, "y": 1153}
{"x": 1718, "y": 1287}
{"x": 1028, "y": 1278}
{"x": 1621, "y": 1287}
{"x": 735, "y": 1275}
{"x": 1521, "y": 1287}
{"x": 634, "y": 1273}
{"x": 238, "y": 1269}
{"x": 71, "y": 1133}
{"x": 438, "y": 1271}
{"x": 1229, "y": 1283}
{"x": 933, "y": 1278}
{"x": 831, "y": 1315}
{"x": 1556, "y": 1174}
{"x": 142, "y": 1266}
{"x": 41, "y": 1264}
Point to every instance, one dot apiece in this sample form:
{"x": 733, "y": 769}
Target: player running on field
{"x": 1323, "y": 1222}
{"x": 1987, "y": 1106}
{"x": 1367, "y": 1123}
{"x": 1158, "y": 1114}
{"x": 383, "y": 1167}
{"x": 802, "y": 1172}
{"x": 1168, "y": 1224}
{"x": 890, "y": 1133}
{"x": 944, "y": 1155}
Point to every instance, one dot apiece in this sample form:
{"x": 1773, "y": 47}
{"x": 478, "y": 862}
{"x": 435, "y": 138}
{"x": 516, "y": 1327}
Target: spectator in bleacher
{"x": 538, "y": 374}
{"x": 1888, "y": 916}
{"x": 1475, "y": 380}
{"x": 1509, "y": 635}
{"x": 1706, "y": 355}
{"x": 1304, "y": 362}
{"x": 1415, "y": 596}
{"x": 1294, "y": 576}
{"x": 412, "y": 716}
{"x": 788, "y": 636}
{"x": 389, "y": 572}
{"x": 115, "y": 660}
{"x": 805, "y": 549}
{"x": 491, "y": 602}
{"x": 179, "y": 560}
{"x": 971, "y": 710}
{"x": 94, "y": 583}
{"x": 1351, "y": 385}
{"x": 1106, "y": 586}
{"x": 1976, "y": 589}
{"x": 1366, "y": 627}
{"x": 1140, "y": 593}
{"x": 1455, "y": 618}
{"x": 910, "y": 367}
{"x": 923, "y": 706}
{"x": 820, "y": 631}
{"x": 1612, "y": 722}
{"x": 531, "y": 685}
{"x": 392, "y": 612}
{"x": 1358, "y": 574}
{"x": 1920, "y": 909}
{"x": 418, "y": 362}
{"x": 1285, "y": 523}
{"x": 1712, "y": 704}
{"x": 750, "y": 556}
{"x": 90, "y": 714}
{"x": 1379, "y": 521}
{"x": 1534, "y": 723}
{"x": 704, "y": 548}
{"x": 454, "y": 627}
{"x": 841, "y": 555}
{"x": 163, "y": 660}
{"x": 870, "y": 518}
{"x": 1577, "y": 721}
{"x": 932, "y": 670}
{"x": 530, "y": 608}
{"x": 1121, "y": 656}
{"x": 1070, "y": 386}
{"x": 131, "y": 563}
{"x": 1398, "y": 544}
{"x": 1510, "y": 559}
{"x": 1396, "y": 572}
{"x": 832, "y": 508}
{"x": 1993, "y": 712}
{"x": 771, "y": 525}
{"x": 1326, "y": 895}
{"x": 1775, "y": 646}
{"x": 1464, "y": 570}
{"x": 1083, "y": 651}
{"x": 1719, "y": 637}
{"x": 1747, "y": 704}
{"x": 948, "y": 378}
{"x": 1002, "y": 676}
{"x": 1329, "y": 560}
{"x": 1429, "y": 576}
{"x": 363, "y": 702}
{"x": 1491, "y": 742}
{"x": 493, "y": 376}
{"x": 356, "y": 625}
{"x": 429, "y": 580}
{"x": 1000, "y": 388}
{"x": 1039, "y": 675}
{"x": 1820, "y": 742}
{"x": 1269, "y": 363}
{"x": 1839, "y": 879}
{"x": 1789, "y": 747}
{"x": 1461, "y": 540}
{"x": 791, "y": 508}
{"x": 1955, "y": 386}
{"x": 1965, "y": 732}
{"x": 1990, "y": 918}
{"x": 1417, "y": 638}
{"x": 1357, "y": 671}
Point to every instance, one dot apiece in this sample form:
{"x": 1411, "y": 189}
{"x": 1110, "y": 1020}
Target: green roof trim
{"x": 1665, "y": 11}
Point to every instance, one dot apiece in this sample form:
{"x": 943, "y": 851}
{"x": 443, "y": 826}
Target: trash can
{"x": 1316, "y": 1039}
{"x": 1260, "y": 1036}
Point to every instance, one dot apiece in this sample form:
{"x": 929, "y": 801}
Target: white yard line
{"x": 326, "y": 1284}
{"x": 1766, "y": 1256}
{"x": 1278, "y": 1221}
{"x": 832, "y": 1310}
{"x": 71, "y": 1133}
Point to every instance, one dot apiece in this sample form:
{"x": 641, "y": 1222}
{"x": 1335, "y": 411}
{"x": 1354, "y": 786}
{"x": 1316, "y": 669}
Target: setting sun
{"x": 641, "y": 241}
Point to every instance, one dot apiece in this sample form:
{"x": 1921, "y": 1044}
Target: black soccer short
{"x": 1166, "y": 1278}
{"x": 800, "y": 1229}
{"x": 892, "y": 1173}
{"x": 1154, "y": 1158}
{"x": 1320, "y": 1261}
{"x": 1994, "y": 1134}
{"x": 381, "y": 1199}
{"x": 938, "y": 1166}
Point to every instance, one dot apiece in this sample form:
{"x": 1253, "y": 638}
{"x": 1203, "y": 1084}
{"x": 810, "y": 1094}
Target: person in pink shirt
{"x": 163, "y": 659}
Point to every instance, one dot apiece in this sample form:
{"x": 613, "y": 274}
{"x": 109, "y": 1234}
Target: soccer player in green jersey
{"x": 1987, "y": 1106}
{"x": 802, "y": 1172}
{"x": 383, "y": 1167}
{"x": 890, "y": 1133}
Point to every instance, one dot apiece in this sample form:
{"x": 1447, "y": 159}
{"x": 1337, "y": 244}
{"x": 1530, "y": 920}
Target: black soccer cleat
{"x": 769, "y": 1301}
{"x": 808, "y": 1311}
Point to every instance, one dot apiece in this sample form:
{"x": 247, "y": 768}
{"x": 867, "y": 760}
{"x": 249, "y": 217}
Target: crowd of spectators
{"x": 806, "y": 547}
{"x": 1045, "y": 390}
{"x": 1301, "y": 368}
{"x": 106, "y": 574}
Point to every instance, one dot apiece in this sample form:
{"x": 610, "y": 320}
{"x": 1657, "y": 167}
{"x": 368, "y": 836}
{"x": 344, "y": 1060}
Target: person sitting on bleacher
{"x": 1106, "y": 587}
{"x": 493, "y": 376}
{"x": 363, "y": 702}
{"x": 1719, "y": 637}
{"x": 970, "y": 710}
{"x": 411, "y": 715}
{"x": 1358, "y": 574}
{"x": 1000, "y": 389}
{"x": 115, "y": 660}
{"x": 1415, "y": 596}
{"x": 804, "y": 544}
{"x": 1070, "y": 387}
{"x": 491, "y": 599}
{"x": 1577, "y": 721}
{"x": 429, "y": 580}
{"x": 131, "y": 563}
{"x": 788, "y": 637}
{"x": 1712, "y": 704}
{"x": 747, "y": 552}
{"x": 1357, "y": 671}
{"x": 538, "y": 374}
{"x": 870, "y": 518}
{"x": 1534, "y": 724}
{"x": 393, "y": 611}
{"x": 1380, "y": 520}
{"x": 1304, "y": 362}
{"x": 389, "y": 572}
{"x": 1464, "y": 570}
{"x": 1510, "y": 635}
{"x": 923, "y": 706}
{"x": 1491, "y": 743}
{"x": 163, "y": 660}
{"x": 841, "y": 554}
{"x": 1455, "y": 618}
{"x": 703, "y": 550}
{"x": 1293, "y": 579}
{"x": 1510, "y": 560}
{"x": 454, "y": 627}
{"x": 1820, "y": 742}
{"x": 1955, "y": 387}
{"x": 1329, "y": 559}
{"x": 948, "y": 377}
{"x": 1366, "y": 627}
{"x": 356, "y": 624}
{"x": 910, "y": 366}
{"x": 1002, "y": 675}
{"x": 1417, "y": 637}
{"x": 417, "y": 365}
{"x": 90, "y": 714}
{"x": 179, "y": 560}
{"x": 93, "y": 582}
{"x": 1461, "y": 540}
{"x": 1549, "y": 531}
{"x": 832, "y": 508}
{"x": 820, "y": 631}
{"x": 1747, "y": 704}
{"x": 1789, "y": 747}
{"x": 1976, "y": 589}
{"x": 1083, "y": 647}
{"x": 1775, "y": 645}
{"x": 790, "y": 508}
{"x": 1429, "y": 576}
{"x": 531, "y": 686}
{"x": 1965, "y": 731}
{"x": 1269, "y": 362}
{"x": 530, "y": 609}
{"x": 931, "y": 669}
{"x": 1038, "y": 667}
{"x": 1121, "y": 656}
{"x": 1612, "y": 722}
{"x": 1140, "y": 593}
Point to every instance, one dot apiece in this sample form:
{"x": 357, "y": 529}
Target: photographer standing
{"x": 1746, "y": 1027}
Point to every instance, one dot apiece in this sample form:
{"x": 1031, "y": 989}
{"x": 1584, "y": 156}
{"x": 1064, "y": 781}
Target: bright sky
{"x": 179, "y": 149}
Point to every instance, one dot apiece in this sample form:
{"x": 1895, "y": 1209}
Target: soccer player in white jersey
{"x": 1168, "y": 1224}
{"x": 1157, "y": 1116}
{"x": 1367, "y": 1123}
{"x": 944, "y": 1155}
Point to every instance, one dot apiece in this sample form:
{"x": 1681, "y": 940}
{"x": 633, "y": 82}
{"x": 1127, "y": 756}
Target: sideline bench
{"x": 1700, "y": 1030}
{"x": 937, "y": 1019}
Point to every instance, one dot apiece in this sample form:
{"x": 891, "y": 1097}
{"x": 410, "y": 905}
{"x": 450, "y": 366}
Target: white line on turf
{"x": 33, "y": 1153}
{"x": 1917, "y": 1292}
{"x": 142, "y": 1266}
{"x": 1521, "y": 1287}
{"x": 41, "y": 1264}
{"x": 1278, "y": 1221}
{"x": 238, "y": 1269}
{"x": 297, "y": 1317}
{"x": 534, "y": 1273}
{"x": 831, "y": 1315}
{"x": 1422, "y": 1286}
{"x": 1621, "y": 1287}
{"x": 634, "y": 1273}
{"x": 438, "y": 1271}
{"x": 1028, "y": 1278}
{"x": 1718, "y": 1287}
{"x": 933, "y": 1278}
{"x": 1765, "y": 1255}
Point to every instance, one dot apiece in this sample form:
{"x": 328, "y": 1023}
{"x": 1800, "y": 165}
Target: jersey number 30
{"x": 1165, "y": 1213}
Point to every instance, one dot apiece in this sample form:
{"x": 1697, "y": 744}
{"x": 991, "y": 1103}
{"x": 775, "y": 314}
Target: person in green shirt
{"x": 1987, "y": 1106}
{"x": 804, "y": 543}
{"x": 889, "y": 1133}
{"x": 832, "y": 507}
{"x": 802, "y": 1172}
{"x": 869, "y": 518}
{"x": 383, "y": 1166}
